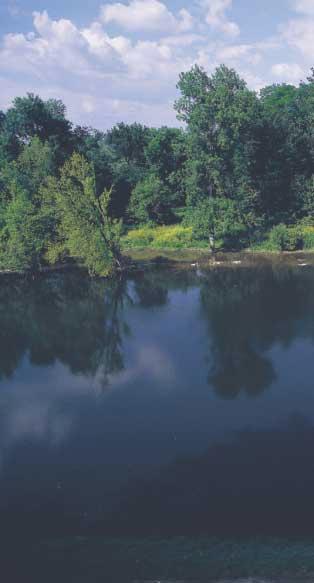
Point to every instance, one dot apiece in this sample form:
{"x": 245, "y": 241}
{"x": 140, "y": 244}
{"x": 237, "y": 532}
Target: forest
{"x": 237, "y": 174}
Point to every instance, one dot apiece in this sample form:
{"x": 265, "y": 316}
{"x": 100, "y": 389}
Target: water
{"x": 170, "y": 403}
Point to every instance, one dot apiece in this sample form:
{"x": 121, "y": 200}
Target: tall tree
{"x": 222, "y": 117}
{"x": 31, "y": 117}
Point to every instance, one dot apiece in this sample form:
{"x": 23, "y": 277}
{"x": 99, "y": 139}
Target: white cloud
{"x": 304, "y": 6}
{"x": 147, "y": 15}
{"x": 55, "y": 46}
{"x": 299, "y": 34}
{"x": 105, "y": 76}
{"x": 88, "y": 104}
{"x": 184, "y": 40}
{"x": 97, "y": 74}
{"x": 244, "y": 52}
{"x": 215, "y": 11}
{"x": 149, "y": 361}
{"x": 290, "y": 72}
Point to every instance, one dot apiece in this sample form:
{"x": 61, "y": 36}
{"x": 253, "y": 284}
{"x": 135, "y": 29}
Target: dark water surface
{"x": 172, "y": 403}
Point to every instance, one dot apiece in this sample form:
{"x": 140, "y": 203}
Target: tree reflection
{"x": 248, "y": 310}
{"x": 83, "y": 323}
{"x": 152, "y": 288}
{"x": 71, "y": 318}
{"x": 75, "y": 320}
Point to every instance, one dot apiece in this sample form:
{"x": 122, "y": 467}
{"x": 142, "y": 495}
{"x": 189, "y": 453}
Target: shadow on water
{"x": 259, "y": 484}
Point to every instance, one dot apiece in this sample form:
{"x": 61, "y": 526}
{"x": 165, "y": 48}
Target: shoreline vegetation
{"x": 238, "y": 176}
{"x": 146, "y": 258}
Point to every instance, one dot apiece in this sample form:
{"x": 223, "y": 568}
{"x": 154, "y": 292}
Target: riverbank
{"x": 193, "y": 257}
{"x": 182, "y": 238}
{"x": 147, "y": 257}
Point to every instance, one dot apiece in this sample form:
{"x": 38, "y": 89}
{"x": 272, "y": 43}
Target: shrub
{"x": 174, "y": 237}
{"x": 308, "y": 237}
{"x": 283, "y": 238}
{"x": 217, "y": 219}
{"x": 141, "y": 237}
{"x": 151, "y": 201}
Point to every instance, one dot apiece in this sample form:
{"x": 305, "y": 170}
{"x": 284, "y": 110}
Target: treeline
{"x": 243, "y": 166}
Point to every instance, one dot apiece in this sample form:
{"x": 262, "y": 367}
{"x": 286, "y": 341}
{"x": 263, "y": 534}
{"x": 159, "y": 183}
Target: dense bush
{"x": 217, "y": 221}
{"x": 308, "y": 237}
{"x": 151, "y": 202}
{"x": 283, "y": 238}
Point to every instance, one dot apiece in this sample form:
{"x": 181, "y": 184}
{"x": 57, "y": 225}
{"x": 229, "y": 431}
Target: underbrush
{"x": 279, "y": 238}
{"x": 287, "y": 238}
{"x": 167, "y": 237}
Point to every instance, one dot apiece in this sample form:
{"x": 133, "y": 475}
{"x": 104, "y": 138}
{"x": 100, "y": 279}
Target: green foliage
{"x": 127, "y": 164}
{"x": 239, "y": 174}
{"x": 305, "y": 195}
{"x": 31, "y": 117}
{"x": 308, "y": 237}
{"x": 277, "y": 98}
{"x": 223, "y": 116}
{"x": 283, "y": 238}
{"x": 174, "y": 237}
{"x": 22, "y": 236}
{"x": 217, "y": 220}
{"x": 151, "y": 201}
{"x": 286, "y": 160}
{"x": 166, "y": 156}
{"x": 129, "y": 141}
{"x": 85, "y": 230}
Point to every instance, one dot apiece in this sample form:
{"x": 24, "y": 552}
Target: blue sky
{"x": 119, "y": 61}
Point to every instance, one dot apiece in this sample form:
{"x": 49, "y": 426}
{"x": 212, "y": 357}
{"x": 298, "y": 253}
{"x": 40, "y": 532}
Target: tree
{"x": 33, "y": 166}
{"x": 31, "y": 117}
{"x": 85, "y": 229}
{"x": 93, "y": 145}
{"x": 24, "y": 232}
{"x": 275, "y": 157}
{"x": 166, "y": 156}
{"x": 2, "y": 119}
{"x": 128, "y": 164}
{"x": 222, "y": 117}
{"x": 151, "y": 201}
{"x": 217, "y": 220}
{"x": 286, "y": 157}
{"x": 21, "y": 236}
{"x": 129, "y": 141}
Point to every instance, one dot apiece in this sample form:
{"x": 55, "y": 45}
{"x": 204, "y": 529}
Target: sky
{"x": 120, "y": 61}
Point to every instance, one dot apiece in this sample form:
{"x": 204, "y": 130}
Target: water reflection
{"x": 246, "y": 315}
{"x": 124, "y": 405}
{"x": 74, "y": 320}
{"x": 67, "y": 319}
